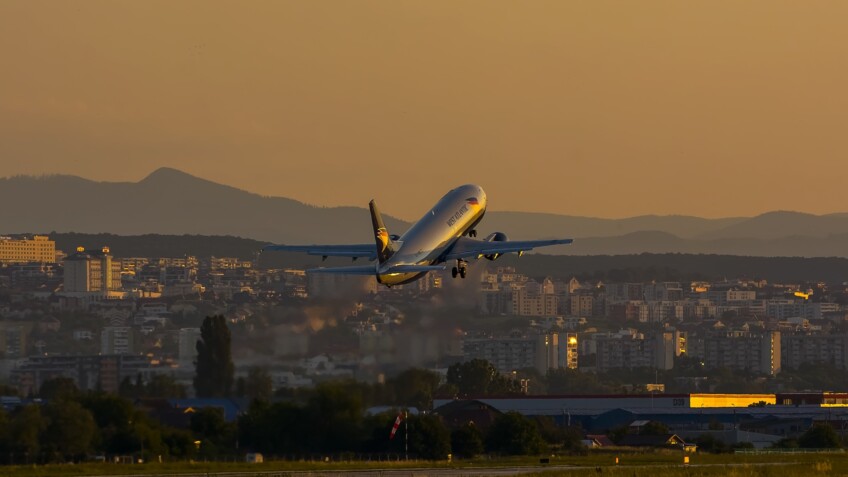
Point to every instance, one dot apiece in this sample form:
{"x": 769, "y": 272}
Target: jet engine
{"x": 496, "y": 237}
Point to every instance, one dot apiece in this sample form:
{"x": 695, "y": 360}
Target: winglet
{"x": 385, "y": 248}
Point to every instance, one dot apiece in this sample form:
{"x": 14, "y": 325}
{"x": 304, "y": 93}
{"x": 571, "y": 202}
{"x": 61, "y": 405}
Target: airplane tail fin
{"x": 385, "y": 248}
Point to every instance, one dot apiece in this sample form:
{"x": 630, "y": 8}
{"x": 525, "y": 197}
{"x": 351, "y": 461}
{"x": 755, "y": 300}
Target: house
{"x": 463, "y": 412}
{"x": 602, "y": 440}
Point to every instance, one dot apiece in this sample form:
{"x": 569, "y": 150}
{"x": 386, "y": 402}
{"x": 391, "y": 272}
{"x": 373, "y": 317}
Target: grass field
{"x": 644, "y": 464}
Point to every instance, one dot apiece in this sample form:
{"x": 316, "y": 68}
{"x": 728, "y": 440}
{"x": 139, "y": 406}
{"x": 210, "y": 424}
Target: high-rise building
{"x": 38, "y": 249}
{"x": 188, "y": 338}
{"x": 635, "y": 351}
{"x": 93, "y": 271}
{"x": 582, "y": 304}
{"x": 13, "y": 338}
{"x": 104, "y": 372}
{"x": 813, "y": 349}
{"x": 754, "y": 352}
{"x": 527, "y": 304}
{"x": 571, "y": 350}
{"x": 116, "y": 340}
{"x": 509, "y": 354}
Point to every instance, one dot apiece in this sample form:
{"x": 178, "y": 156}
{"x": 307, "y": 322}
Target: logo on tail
{"x": 383, "y": 237}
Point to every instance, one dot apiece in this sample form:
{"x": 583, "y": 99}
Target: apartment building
{"x": 616, "y": 351}
{"x": 508, "y": 354}
{"x": 525, "y": 303}
{"x": 103, "y": 372}
{"x": 116, "y": 340}
{"x": 798, "y": 349}
{"x": 92, "y": 271}
{"x": 38, "y": 249}
{"x": 751, "y": 351}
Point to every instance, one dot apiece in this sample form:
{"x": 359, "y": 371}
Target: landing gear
{"x": 472, "y": 233}
{"x": 460, "y": 269}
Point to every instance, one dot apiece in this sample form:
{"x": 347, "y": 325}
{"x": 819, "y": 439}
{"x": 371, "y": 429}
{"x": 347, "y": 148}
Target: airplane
{"x": 444, "y": 234}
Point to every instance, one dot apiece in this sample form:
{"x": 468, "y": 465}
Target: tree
{"x": 112, "y": 414}
{"x": 785, "y": 443}
{"x": 27, "y": 424}
{"x": 214, "y": 365}
{"x": 274, "y": 428}
{"x": 257, "y": 385}
{"x": 415, "y": 388}
{"x": 164, "y": 386}
{"x": 333, "y": 417}
{"x": 5, "y": 432}
{"x": 58, "y": 388}
{"x": 428, "y": 437}
{"x": 564, "y": 381}
{"x": 514, "y": 434}
{"x": 70, "y": 431}
{"x": 654, "y": 428}
{"x": 479, "y": 378}
{"x": 214, "y": 432}
{"x": 467, "y": 442}
{"x": 820, "y": 436}
{"x": 180, "y": 442}
{"x": 564, "y": 437}
{"x": 708, "y": 443}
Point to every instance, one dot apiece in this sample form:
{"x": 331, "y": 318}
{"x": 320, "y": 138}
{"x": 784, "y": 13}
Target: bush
{"x": 467, "y": 442}
{"x": 514, "y": 434}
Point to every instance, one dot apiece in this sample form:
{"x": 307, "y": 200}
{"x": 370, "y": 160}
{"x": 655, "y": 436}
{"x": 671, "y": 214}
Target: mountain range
{"x": 169, "y": 201}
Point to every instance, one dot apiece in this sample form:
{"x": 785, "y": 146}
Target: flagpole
{"x": 406, "y": 435}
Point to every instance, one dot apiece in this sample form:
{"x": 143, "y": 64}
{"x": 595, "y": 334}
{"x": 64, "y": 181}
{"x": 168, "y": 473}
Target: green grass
{"x": 651, "y": 464}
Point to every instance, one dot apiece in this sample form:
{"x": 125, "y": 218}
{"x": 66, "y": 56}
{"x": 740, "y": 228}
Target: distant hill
{"x": 783, "y": 224}
{"x": 172, "y": 202}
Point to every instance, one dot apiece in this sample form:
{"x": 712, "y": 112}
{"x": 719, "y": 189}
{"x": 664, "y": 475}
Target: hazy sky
{"x": 613, "y": 109}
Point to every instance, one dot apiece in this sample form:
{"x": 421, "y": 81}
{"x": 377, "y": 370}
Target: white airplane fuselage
{"x": 425, "y": 243}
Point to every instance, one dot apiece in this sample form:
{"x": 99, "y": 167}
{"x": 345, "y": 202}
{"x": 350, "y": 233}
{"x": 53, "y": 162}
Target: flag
{"x": 395, "y": 426}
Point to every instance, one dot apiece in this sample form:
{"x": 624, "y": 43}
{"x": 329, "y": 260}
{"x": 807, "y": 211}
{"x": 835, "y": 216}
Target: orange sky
{"x": 598, "y": 108}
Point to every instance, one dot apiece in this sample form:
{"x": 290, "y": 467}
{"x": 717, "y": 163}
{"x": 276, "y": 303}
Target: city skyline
{"x": 568, "y": 108}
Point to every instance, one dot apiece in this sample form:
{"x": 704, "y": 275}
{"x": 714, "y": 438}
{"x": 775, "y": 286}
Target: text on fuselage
{"x": 457, "y": 215}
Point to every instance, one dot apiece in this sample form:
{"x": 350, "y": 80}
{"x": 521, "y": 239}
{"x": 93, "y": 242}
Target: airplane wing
{"x": 366, "y": 250}
{"x": 466, "y": 247}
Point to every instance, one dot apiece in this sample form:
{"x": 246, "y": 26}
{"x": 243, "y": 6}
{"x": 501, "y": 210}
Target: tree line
{"x": 330, "y": 419}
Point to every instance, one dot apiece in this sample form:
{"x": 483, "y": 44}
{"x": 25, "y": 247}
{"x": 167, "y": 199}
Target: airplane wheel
{"x": 472, "y": 233}
{"x": 454, "y": 272}
{"x": 462, "y": 272}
